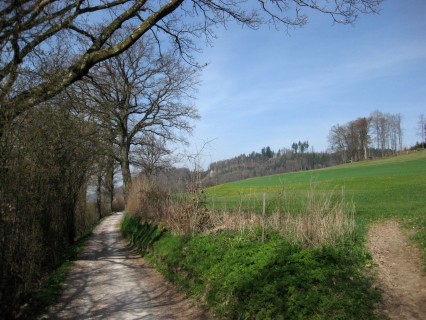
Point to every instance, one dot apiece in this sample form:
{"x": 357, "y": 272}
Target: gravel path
{"x": 110, "y": 281}
{"x": 400, "y": 272}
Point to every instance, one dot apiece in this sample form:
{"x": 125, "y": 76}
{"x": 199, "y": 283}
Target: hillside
{"x": 269, "y": 162}
{"x": 393, "y": 186}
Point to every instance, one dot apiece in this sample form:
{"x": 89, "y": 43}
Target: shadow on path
{"x": 111, "y": 281}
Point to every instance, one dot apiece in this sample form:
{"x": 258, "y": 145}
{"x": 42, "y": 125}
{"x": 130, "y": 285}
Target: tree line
{"x": 377, "y": 135}
{"x": 257, "y": 164}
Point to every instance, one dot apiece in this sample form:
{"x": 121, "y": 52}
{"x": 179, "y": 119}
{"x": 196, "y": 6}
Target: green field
{"x": 391, "y": 187}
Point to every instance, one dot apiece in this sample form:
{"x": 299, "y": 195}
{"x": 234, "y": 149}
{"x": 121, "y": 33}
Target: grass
{"x": 385, "y": 188}
{"x": 240, "y": 277}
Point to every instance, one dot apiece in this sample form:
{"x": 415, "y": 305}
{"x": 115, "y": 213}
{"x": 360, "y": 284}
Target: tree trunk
{"x": 125, "y": 169}
{"x": 109, "y": 183}
{"x": 99, "y": 195}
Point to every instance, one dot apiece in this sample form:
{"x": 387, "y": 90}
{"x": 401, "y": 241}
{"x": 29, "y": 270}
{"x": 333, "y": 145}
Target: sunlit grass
{"x": 380, "y": 188}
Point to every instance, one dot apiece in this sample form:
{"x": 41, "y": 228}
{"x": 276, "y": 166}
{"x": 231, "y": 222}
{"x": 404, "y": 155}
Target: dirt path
{"x": 110, "y": 281}
{"x": 400, "y": 272}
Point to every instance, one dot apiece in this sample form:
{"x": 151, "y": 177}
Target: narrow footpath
{"x": 400, "y": 272}
{"x": 111, "y": 281}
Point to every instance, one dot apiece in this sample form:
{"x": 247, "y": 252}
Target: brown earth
{"x": 399, "y": 273}
{"x": 111, "y": 281}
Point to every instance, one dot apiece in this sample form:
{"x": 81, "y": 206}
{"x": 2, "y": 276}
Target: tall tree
{"x": 387, "y": 130}
{"x": 295, "y": 147}
{"x": 421, "y": 129}
{"x": 152, "y": 155}
{"x": 350, "y": 140}
{"x": 395, "y": 131}
{"x": 140, "y": 92}
{"x": 362, "y": 132}
{"x": 338, "y": 141}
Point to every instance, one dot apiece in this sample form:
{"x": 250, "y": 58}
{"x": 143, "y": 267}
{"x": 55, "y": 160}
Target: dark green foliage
{"x": 239, "y": 277}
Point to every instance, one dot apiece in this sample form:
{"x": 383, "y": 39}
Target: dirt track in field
{"x": 110, "y": 281}
{"x": 400, "y": 272}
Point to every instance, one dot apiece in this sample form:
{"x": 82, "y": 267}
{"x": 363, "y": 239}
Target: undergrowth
{"x": 240, "y": 277}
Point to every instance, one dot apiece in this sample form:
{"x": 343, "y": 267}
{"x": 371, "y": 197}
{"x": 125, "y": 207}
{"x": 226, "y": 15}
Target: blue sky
{"x": 267, "y": 88}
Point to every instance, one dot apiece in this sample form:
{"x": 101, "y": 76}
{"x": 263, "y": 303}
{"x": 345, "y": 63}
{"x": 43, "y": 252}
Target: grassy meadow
{"x": 383, "y": 188}
{"x": 389, "y": 188}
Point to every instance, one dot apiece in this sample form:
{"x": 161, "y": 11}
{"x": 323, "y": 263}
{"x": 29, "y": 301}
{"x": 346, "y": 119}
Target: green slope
{"x": 391, "y": 187}
{"x": 381, "y": 189}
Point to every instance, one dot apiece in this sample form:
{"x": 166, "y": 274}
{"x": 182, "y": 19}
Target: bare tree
{"x": 399, "y": 130}
{"x": 140, "y": 92}
{"x": 381, "y": 129}
{"x": 362, "y": 132}
{"x": 57, "y": 42}
{"x": 152, "y": 155}
{"x": 350, "y": 140}
{"x": 395, "y": 131}
{"x": 421, "y": 129}
{"x": 338, "y": 140}
{"x": 387, "y": 129}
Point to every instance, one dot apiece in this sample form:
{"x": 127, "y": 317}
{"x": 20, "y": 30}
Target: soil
{"x": 111, "y": 281}
{"x": 400, "y": 272}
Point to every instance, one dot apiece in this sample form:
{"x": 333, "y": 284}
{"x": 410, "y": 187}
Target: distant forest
{"x": 268, "y": 162}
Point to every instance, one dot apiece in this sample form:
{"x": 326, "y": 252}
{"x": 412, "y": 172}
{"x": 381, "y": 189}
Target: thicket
{"x": 47, "y": 154}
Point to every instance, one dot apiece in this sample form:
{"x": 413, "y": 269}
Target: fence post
{"x": 263, "y": 217}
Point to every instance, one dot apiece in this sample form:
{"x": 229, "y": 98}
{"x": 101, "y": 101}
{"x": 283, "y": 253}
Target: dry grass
{"x": 118, "y": 204}
{"x": 183, "y": 215}
{"x": 320, "y": 218}
{"x": 326, "y": 219}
